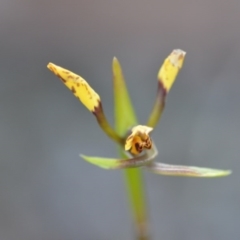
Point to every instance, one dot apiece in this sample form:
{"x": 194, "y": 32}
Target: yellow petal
{"x": 170, "y": 68}
{"x": 139, "y": 139}
{"x": 79, "y": 87}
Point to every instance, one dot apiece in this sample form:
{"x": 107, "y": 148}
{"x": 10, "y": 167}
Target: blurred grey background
{"x": 46, "y": 191}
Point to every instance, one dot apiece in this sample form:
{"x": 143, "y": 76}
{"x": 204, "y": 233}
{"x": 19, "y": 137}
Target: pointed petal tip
{"x": 50, "y": 65}
{"x": 95, "y": 161}
{"x": 124, "y": 111}
{"x": 89, "y": 159}
{"x": 106, "y": 163}
{"x": 115, "y": 62}
{"x": 229, "y": 172}
{"x": 216, "y": 174}
{"x": 180, "y": 51}
{"x": 53, "y": 68}
{"x": 225, "y": 173}
{"x": 208, "y": 172}
{"x": 82, "y": 156}
{"x": 177, "y": 58}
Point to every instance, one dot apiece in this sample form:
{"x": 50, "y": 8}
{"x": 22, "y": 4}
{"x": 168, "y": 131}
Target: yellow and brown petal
{"x": 79, "y": 87}
{"x": 166, "y": 77}
{"x": 139, "y": 139}
{"x": 89, "y": 98}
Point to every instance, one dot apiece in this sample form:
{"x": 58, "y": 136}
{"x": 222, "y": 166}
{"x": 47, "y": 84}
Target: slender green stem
{"x": 137, "y": 199}
{"x": 136, "y": 194}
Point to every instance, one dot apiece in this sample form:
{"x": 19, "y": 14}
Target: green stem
{"x": 137, "y": 199}
{"x": 136, "y": 194}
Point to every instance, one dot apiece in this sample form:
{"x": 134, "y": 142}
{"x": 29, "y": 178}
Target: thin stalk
{"x": 136, "y": 195}
{"x": 137, "y": 200}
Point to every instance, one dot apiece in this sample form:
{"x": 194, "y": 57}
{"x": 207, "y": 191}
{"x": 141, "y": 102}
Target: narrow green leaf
{"x": 187, "y": 171}
{"x": 124, "y": 113}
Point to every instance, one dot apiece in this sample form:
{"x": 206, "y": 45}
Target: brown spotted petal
{"x": 166, "y": 77}
{"x": 90, "y": 99}
{"x": 79, "y": 87}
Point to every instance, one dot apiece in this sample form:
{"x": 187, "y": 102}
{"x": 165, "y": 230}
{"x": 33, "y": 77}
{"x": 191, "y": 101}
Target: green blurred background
{"x": 46, "y": 191}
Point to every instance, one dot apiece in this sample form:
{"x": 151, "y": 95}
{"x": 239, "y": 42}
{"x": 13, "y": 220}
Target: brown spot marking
{"x": 148, "y": 145}
{"x": 161, "y": 88}
{"x": 70, "y": 77}
{"x": 73, "y": 90}
{"x": 63, "y": 80}
{"x": 138, "y": 147}
{"x": 87, "y": 90}
{"x": 98, "y": 109}
{"x": 78, "y": 84}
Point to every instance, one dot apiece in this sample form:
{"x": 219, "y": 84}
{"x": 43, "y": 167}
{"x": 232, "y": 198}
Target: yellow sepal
{"x": 79, "y": 87}
{"x": 170, "y": 68}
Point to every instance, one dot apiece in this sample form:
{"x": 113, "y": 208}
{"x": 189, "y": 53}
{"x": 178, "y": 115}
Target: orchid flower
{"x": 136, "y": 147}
{"x": 134, "y": 140}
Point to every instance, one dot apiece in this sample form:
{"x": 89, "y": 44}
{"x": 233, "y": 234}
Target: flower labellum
{"x": 139, "y": 139}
